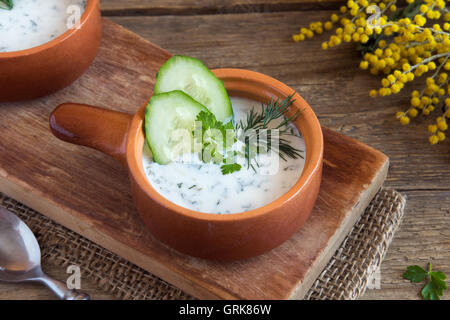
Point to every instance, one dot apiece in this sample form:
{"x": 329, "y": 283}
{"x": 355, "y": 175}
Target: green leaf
{"x": 229, "y": 126}
{"x": 439, "y": 275}
{"x": 437, "y": 281}
{"x": 214, "y": 138}
{"x": 6, "y": 4}
{"x": 415, "y": 274}
{"x": 429, "y": 292}
{"x": 407, "y": 12}
{"x": 435, "y": 285}
{"x": 207, "y": 119}
{"x": 370, "y": 45}
{"x": 230, "y": 168}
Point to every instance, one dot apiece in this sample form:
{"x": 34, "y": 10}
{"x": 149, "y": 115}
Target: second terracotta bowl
{"x": 39, "y": 71}
{"x": 210, "y": 236}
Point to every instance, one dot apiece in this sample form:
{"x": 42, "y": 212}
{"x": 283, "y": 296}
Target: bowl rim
{"x": 91, "y": 5}
{"x": 313, "y": 161}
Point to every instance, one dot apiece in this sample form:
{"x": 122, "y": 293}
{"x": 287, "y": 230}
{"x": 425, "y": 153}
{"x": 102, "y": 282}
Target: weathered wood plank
{"x": 192, "y": 7}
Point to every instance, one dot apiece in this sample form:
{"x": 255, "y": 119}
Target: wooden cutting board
{"x": 89, "y": 193}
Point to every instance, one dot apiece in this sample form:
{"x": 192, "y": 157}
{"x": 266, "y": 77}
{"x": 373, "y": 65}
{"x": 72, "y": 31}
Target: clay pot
{"x": 212, "y": 236}
{"x": 39, "y": 71}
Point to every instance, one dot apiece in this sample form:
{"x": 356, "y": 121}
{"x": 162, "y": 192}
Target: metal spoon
{"x": 20, "y": 257}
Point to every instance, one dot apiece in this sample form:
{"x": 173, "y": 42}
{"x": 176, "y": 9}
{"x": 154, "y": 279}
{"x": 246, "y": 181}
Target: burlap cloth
{"x": 346, "y": 275}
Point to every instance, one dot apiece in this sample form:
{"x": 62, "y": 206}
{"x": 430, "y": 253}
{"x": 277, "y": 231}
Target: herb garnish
{"x": 230, "y": 168}
{"x": 213, "y": 137}
{"x": 6, "y": 4}
{"x": 435, "y": 286}
{"x": 254, "y": 134}
{"x": 258, "y": 137}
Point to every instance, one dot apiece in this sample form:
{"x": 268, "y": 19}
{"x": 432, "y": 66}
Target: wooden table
{"x": 256, "y": 35}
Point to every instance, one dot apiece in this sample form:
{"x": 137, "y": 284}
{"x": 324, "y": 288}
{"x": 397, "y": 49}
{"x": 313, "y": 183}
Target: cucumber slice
{"x": 191, "y": 76}
{"x": 164, "y": 115}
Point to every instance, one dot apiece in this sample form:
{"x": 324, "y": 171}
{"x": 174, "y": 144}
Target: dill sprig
{"x": 272, "y": 110}
{"x": 258, "y": 137}
{"x": 6, "y": 4}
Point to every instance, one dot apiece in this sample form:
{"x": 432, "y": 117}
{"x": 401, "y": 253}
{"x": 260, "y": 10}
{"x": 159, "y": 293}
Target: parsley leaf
{"x": 230, "y": 168}
{"x": 216, "y": 138}
{"x": 207, "y": 119}
{"x": 415, "y": 274}
{"x": 435, "y": 286}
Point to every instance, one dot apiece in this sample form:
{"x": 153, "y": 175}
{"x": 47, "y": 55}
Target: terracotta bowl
{"x": 211, "y": 236}
{"x": 41, "y": 70}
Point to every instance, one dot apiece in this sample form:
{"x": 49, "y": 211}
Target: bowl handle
{"x": 94, "y": 127}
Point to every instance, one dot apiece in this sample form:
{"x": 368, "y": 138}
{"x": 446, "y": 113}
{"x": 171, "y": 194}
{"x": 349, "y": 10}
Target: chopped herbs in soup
{"x": 204, "y": 187}
{"x": 31, "y": 23}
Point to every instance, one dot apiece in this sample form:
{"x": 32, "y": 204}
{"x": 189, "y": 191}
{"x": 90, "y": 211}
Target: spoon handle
{"x": 61, "y": 290}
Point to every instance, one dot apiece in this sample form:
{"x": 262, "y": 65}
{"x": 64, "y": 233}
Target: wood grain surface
{"x": 85, "y": 191}
{"x": 194, "y": 7}
{"x": 332, "y": 83}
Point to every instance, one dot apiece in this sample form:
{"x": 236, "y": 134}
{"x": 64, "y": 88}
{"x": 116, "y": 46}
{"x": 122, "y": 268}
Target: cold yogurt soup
{"x": 31, "y": 23}
{"x": 202, "y": 187}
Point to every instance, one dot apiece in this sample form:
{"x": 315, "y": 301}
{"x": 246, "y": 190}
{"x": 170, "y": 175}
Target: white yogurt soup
{"x": 202, "y": 187}
{"x": 31, "y": 23}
